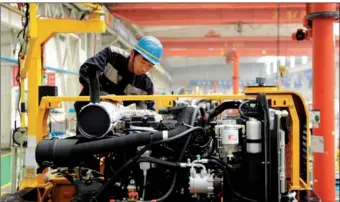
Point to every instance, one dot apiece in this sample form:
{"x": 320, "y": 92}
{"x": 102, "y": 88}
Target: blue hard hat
{"x": 151, "y": 48}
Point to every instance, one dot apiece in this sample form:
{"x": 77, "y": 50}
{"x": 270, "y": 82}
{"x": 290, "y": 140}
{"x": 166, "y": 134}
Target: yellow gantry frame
{"x": 39, "y": 32}
{"x": 279, "y": 99}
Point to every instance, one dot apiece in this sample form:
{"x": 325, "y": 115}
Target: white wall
{"x": 6, "y": 82}
{"x": 7, "y": 48}
{"x": 161, "y": 84}
{"x": 248, "y": 71}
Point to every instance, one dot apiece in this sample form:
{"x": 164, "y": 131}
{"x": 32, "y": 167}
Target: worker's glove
{"x": 112, "y": 101}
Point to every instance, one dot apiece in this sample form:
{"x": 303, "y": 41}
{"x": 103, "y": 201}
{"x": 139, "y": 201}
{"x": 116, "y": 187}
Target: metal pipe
{"x": 10, "y": 8}
{"x": 59, "y": 70}
{"x": 323, "y": 98}
{"x": 283, "y": 186}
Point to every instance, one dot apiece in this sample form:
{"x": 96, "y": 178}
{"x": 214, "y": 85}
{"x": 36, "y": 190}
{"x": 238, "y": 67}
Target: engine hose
{"x": 167, "y": 194}
{"x": 212, "y": 147}
{"x": 66, "y": 152}
{"x": 158, "y": 161}
{"x": 174, "y": 180}
{"x": 194, "y": 116}
{"x": 223, "y": 166}
{"x": 119, "y": 143}
{"x": 220, "y": 108}
{"x": 240, "y": 111}
{"x": 139, "y": 154}
{"x": 94, "y": 86}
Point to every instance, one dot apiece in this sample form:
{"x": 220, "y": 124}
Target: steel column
{"x": 323, "y": 99}
{"x": 236, "y": 73}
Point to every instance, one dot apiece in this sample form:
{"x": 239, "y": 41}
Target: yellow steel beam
{"x": 146, "y": 97}
{"x": 39, "y": 32}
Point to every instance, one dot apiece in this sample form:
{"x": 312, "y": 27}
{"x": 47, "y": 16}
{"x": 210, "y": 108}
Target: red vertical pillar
{"x": 236, "y": 73}
{"x": 323, "y": 100}
{"x": 214, "y": 86}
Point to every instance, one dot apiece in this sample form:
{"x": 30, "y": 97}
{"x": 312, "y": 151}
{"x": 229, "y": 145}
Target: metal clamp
{"x": 335, "y": 15}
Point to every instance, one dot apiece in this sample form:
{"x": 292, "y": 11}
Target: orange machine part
{"x": 64, "y": 191}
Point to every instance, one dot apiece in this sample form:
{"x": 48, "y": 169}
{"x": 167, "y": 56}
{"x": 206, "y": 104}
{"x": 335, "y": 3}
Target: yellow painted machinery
{"x": 35, "y": 33}
{"x": 192, "y": 153}
{"x": 253, "y": 146}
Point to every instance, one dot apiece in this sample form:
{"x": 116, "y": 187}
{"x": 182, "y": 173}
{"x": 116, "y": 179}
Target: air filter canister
{"x": 95, "y": 120}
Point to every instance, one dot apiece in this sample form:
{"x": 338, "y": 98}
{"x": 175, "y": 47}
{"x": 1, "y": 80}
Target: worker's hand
{"x": 113, "y": 101}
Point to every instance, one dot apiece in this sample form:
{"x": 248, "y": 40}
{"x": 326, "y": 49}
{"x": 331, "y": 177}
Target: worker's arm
{"x": 98, "y": 62}
{"x": 150, "y": 90}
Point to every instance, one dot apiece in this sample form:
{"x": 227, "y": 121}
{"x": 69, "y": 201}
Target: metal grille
{"x": 303, "y": 152}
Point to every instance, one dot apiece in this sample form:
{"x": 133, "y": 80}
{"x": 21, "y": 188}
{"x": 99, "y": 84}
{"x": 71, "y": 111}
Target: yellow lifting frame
{"x": 279, "y": 99}
{"x": 39, "y": 32}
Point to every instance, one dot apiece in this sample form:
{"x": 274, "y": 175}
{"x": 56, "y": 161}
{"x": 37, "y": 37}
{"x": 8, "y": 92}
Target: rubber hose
{"x": 220, "y": 108}
{"x": 119, "y": 143}
{"x": 174, "y": 180}
{"x": 223, "y": 166}
{"x": 94, "y": 86}
{"x": 158, "y": 161}
{"x": 134, "y": 159}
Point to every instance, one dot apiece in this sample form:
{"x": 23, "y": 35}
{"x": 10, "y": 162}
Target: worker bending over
{"x": 122, "y": 73}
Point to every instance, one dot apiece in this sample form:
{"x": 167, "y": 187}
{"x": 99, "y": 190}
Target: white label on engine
{"x": 165, "y": 134}
{"x": 230, "y": 136}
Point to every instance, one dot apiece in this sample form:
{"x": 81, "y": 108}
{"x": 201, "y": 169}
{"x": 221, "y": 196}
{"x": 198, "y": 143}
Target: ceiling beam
{"x": 178, "y": 69}
{"x": 235, "y": 42}
{"x": 175, "y": 16}
{"x": 201, "y": 6}
{"x": 243, "y": 52}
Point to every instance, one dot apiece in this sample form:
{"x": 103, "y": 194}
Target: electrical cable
{"x": 223, "y": 166}
{"x": 25, "y": 20}
{"x": 158, "y": 161}
{"x": 138, "y": 155}
{"x": 173, "y": 183}
{"x": 121, "y": 169}
{"x": 144, "y": 185}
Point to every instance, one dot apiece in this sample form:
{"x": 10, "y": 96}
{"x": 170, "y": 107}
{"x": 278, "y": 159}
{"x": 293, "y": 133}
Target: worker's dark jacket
{"x": 115, "y": 77}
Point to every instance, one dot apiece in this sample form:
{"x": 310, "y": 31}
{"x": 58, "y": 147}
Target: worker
{"x": 123, "y": 73}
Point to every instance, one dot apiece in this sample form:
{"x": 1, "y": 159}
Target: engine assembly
{"x": 185, "y": 153}
{"x": 238, "y": 150}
